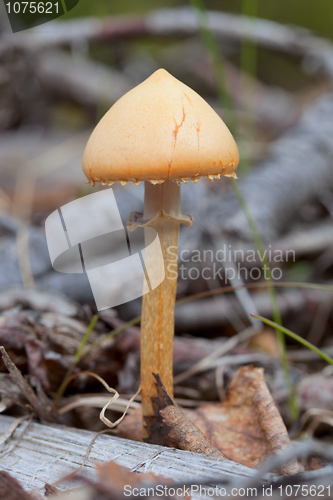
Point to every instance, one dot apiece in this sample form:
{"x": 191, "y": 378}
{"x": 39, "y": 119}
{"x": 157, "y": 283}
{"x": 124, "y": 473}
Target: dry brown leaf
{"x": 246, "y": 427}
{"x": 10, "y": 488}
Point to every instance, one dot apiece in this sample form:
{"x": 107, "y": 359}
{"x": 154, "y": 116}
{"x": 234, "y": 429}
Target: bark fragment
{"x": 171, "y": 427}
{"x": 186, "y": 434}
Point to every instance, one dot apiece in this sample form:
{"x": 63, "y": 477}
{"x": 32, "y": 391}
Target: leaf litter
{"x": 246, "y": 427}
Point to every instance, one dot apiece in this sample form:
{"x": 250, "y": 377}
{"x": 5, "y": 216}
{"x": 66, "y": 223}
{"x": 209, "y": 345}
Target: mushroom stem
{"x": 157, "y": 323}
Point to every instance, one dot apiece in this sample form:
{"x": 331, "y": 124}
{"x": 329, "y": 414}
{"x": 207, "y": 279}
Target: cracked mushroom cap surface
{"x": 160, "y": 130}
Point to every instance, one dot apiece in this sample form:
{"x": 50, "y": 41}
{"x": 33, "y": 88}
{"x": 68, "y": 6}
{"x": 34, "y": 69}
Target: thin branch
{"x": 43, "y": 412}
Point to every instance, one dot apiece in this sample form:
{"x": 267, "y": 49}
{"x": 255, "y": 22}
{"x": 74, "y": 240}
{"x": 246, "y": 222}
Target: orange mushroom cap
{"x": 160, "y": 130}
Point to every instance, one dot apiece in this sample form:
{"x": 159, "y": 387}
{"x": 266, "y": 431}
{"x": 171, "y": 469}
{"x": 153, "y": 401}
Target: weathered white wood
{"x": 49, "y": 452}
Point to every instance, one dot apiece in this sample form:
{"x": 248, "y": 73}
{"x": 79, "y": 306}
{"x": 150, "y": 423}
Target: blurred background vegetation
{"x": 313, "y": 15}
{"x": 316, "y": 15}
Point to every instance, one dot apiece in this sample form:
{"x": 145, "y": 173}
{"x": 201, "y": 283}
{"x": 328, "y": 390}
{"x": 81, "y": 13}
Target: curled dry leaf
{"x": 246, "y": 427}
{"x": 271, "y": 422}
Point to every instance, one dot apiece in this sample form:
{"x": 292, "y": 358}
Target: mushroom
{"x": 162, "y": 133}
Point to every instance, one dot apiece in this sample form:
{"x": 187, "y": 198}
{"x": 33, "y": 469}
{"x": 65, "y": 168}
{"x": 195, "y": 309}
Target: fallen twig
{"x": 47, "y": 413}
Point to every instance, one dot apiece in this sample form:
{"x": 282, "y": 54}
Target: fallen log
{"x": 44, "y": 454}
{"x": 38, "y": 455}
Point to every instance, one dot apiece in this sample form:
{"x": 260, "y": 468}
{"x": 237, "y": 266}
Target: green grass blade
{"x": 213, "y": 51}
{"x": 294, "y": 336}
{"x": 85, "y": 339}
{"x": 76, "y": 359}
{"x": 273, "y": 298}
{"x": 248, "y": 56}
{"x": 248, "y": 79}
{"x": 113, "y": 333}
